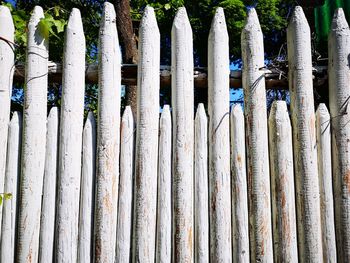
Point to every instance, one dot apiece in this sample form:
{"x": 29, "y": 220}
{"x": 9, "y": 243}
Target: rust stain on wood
{"x": 347, "y": 180}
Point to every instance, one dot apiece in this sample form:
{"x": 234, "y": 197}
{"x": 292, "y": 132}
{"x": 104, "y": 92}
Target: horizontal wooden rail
{"x": 273, "y": 78}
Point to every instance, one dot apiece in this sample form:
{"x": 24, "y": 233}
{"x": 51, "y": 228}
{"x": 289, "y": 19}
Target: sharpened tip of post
{"x": 37, "y": 14}
{"x": 339, "y": 21}
{"x": 181, "y": 18}
{"x": 251, "y": 22}
{"x": 218, "y": 21}
{"x": 15, "y": 118}
{"x": 53, "y": 112}
{"x": 127, "y": 113}
{"x": 148, "y": 18}
{"x": 236, "y": 110}
{"x": 279, "y": 110}
{"x": 5, "y": 12}
{"x": 165, "y": 112}
{"x": 322, "y": 110}
{"x": 74, "y": 21}
{"x": 108, "y": 14}
{"x": 200, "y": 111}
{"x": 90, "y": 116}
{"x": 298, "y": 16}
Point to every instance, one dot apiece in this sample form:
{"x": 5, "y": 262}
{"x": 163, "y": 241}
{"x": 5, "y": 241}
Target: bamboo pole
{"x": 163, "y": 246}
{"x": 34, "y": 141}
{"x": 13, "y": 167}
{"x": 219, "y": 140}
{"x": 146, "y": 140}
{"x": 240, "y": 221}
{"x": 47, "y": 220}
{"x": 6, "y": 68}
{"x": 108, "y": 135}
{"x": 282, "y": 184}
{"x": 304, "y": 138}
{"x": 257, "y": 140}
{"x": 124, "y": 226}
{"x": 201, "y": 190}
{"x": 87, "y": 192}
{"x": 339, "y": 93}
{"x": 182, "y": 102}
{"x": 71, "y": 129}
{"x": 324, "y": 153}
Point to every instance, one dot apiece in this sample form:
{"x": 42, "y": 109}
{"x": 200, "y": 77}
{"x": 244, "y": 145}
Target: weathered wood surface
{"x": 183, "y": 125}
{"x": 164, "y": 220}
{"x": 201, "y": 187}
{"x": 124, "y": 226}
{"x": 146, "y": 160}
{"x": 257, "y": 140}
{"x": 47, "y": 220}
{"x": 324, "y": 153}
{"x": 304, "y": 138}
{"x": 33, "y": 142}
{"x": 240, "y": 217}
{"x": 87, "y": 191}
{"x": 219, "y": 140}
{"x": 108, "y": 134}
{"x": 282, "y": 184}
{"x": 6, "y": 68}
{"x": 339, "y": 96}
{"x": 12, "y": 173}
{"x": 71, "y": 130}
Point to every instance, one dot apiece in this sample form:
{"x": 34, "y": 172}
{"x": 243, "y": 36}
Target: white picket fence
{"x": 236, "y": 186}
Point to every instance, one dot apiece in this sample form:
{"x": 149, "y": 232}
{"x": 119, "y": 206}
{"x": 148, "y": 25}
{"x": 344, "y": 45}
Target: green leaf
{"x": 59, "y": 25}
{"x": 44, "y": 28}
{"x": 0, "y": 199}
{"x": 7, "y": 196}
{"x": 167, "y": 6}
{"x": 56, "y": 9}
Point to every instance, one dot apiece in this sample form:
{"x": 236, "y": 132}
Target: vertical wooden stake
{"x": 47, "y": 221}
{"x": 124, "y": 226}
{"x": 304, "y": 138}
{"x": 182, "y": 102}
{"x": 34, "y": 141}
{"x": 71, "y": 131}
{"x": 201, "y": 188}
{"x": 163, "y": 248}
{"x": 146, "y": 159}
{"x": 257, "y": 141}
{"x": 13, "y": 166}
{"x": 282, "y": 184}
{"x": 108, "y": 134}
{"x": 240, "y": 221}
{"x": 339, "y": 97}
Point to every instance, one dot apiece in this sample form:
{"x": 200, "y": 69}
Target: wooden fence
{"x": 236, "y": 186}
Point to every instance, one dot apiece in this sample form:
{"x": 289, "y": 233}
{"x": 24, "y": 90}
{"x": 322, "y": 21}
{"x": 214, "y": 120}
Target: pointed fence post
{"x": 124, "y": 226}
{"x": 182, "y": 102}
{"x": 339, "y": 97}
{"x": 7, "y": 30}
{"x": 163, "y": 247}
{"x": 282, "y": 184}
{"x": 146, "y": 160}
{"x": 87, "y": 191}
{"x": 13, "y": 166}
{"x": 323, "y": 135}
{"x": 71, "y": 131}
{"x": 201, "y": 187}
{"x": 304, "y": 138}
{"x": 108, "y": 134}
{"x": 47, "y": 220}
{"x": 257, "y": 140}
{"x": 240, "y": 221}
{"x": 33, "y": 142}
{"x": 219, "y": 140}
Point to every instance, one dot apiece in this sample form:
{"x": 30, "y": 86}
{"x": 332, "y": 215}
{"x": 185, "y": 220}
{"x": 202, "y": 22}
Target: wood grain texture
{"x": 339, "y": 94}
{"x": 71, "y": 132}
{"x": 239, "y": 191}
{"x": 183, "y": 125}
{"x": 201, "y": 187}
{"x": 108, "y": 136}
{"x": 304, "y": 138}
{"x": 124, "y": 226}
{"x": 257, "y": 140}
{"x": 164, "y": 220}
{"x": 146, "y": 160}
{"x": 324, "y": 153}
{"x": 33, "y": 142}
{"x": 12, "y": 175}
{"x": 47, "y": 220}
{"x": 282, "y": 184}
